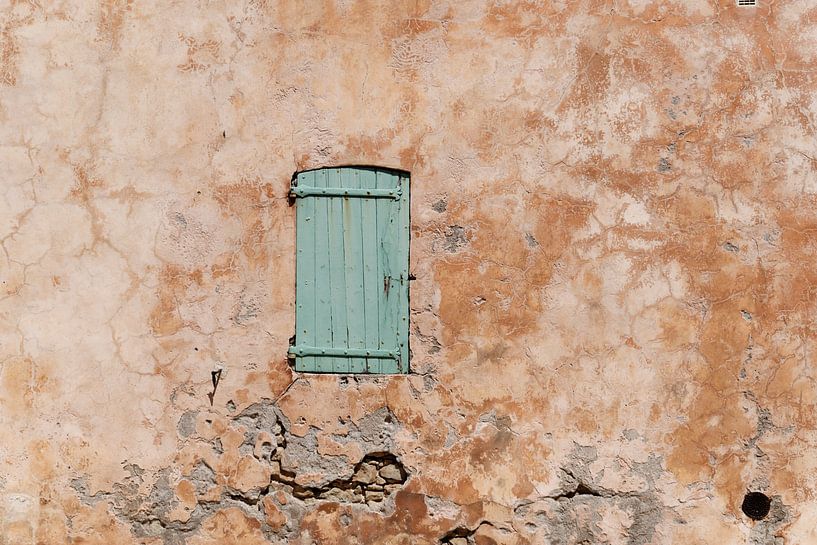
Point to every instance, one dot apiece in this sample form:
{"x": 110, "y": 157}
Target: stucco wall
{"x": 613, "y": 238}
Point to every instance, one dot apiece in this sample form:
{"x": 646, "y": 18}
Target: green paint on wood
{"x": 352, "y": 271}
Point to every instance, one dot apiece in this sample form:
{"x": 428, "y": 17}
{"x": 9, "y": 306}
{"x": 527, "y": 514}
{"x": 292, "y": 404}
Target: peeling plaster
{"x": 611, "y": 255}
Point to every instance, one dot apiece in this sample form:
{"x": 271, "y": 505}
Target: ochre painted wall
{"x": 614, "y": 226}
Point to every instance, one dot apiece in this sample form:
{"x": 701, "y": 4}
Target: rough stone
{"x": 366, "y": 474}
{"x": 273, "y": 516}
{"x": 455, "y": 238}
{"x": 203, "y": 477}
{"x": 439, "y": 206}
{"x": 187, "y": 424}
{"x": 374, "y": 496}
{"x": 391, "y": 473}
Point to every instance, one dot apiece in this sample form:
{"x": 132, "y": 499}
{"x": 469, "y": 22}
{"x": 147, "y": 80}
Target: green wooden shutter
{"x": 351, "y": 271}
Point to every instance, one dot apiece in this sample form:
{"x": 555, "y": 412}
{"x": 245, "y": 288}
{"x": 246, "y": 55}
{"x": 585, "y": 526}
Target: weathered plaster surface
{"x": 613, "y": 237}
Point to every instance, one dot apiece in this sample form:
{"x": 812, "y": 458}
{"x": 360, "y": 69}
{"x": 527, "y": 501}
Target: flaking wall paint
{"x": 613, "y": 217}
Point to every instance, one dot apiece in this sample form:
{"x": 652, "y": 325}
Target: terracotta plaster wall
{"x": 614, "y": 209}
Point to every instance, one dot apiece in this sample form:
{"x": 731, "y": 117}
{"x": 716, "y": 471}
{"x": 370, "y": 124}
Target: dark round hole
{"x": 756, "y": 505}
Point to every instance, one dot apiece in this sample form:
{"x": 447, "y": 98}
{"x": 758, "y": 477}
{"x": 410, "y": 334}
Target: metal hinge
{"x": 343, "y": 352}
{"x": 296, "y": 191}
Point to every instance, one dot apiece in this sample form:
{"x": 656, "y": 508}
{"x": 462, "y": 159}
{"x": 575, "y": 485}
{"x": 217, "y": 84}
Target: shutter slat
{"x": 305, "y": 278}
{"x": 371, "y": 282}
{"x": 323, "y": 294}
{"x": 337, "y": 258}
{"x": 385, "y": 219}
{"x": 352, "y": 242}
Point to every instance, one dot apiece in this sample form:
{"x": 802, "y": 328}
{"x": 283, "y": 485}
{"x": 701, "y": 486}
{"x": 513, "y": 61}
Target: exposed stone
{"x": 203, "y": 477}
{"x": 454, "y": 238}
{"x": 257, "y": 418}
{"x": 391, "y": 473}
{"x": 273, "y": 516}
{"x": 458, "y": 536}
{"x": 187, "y": 424}
{"x": 342, "y": 495}
{"x": 366, "y": 474}
{"x": 374, "y": 495}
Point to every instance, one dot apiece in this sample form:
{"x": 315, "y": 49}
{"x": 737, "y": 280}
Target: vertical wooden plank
{"x": 337, "y": 272}
{"x": 372, "y": 282}
{"x": 323, "y": 294}
{"x": 388, "y": 293}
{"x": 404, "y": 237}
{"x": 305, "y": 274}
{"x": 353, "y": 248}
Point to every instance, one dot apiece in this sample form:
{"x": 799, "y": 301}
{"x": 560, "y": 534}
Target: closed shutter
{"x": 351, "y": 271}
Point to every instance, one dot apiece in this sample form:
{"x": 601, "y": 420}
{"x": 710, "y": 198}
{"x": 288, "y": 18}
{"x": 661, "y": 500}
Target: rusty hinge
{"x": 340, "y": 352}
{"x": 305, "y": 191}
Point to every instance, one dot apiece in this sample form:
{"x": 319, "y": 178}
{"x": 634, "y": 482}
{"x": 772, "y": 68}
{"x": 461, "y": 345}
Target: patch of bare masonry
{"x": 369, "y": 483}
{"x": 572, "y": 513}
